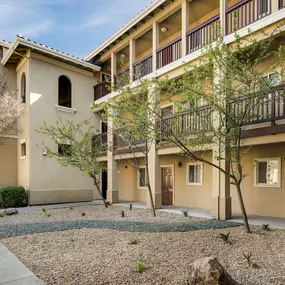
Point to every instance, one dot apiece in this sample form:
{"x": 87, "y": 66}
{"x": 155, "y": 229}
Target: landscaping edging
{"x": 129, "y": 226}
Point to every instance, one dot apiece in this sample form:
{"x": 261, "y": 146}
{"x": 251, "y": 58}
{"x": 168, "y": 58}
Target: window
{"x": 267, "y": 172}
{"x": 64, "y": 149}
{"x": 23, "y": 88}
{"x": 194, "y": 174}
{"x": 23, "y": 149}
{"x": 141, "y": 178}
{"x": 64, "y": 92}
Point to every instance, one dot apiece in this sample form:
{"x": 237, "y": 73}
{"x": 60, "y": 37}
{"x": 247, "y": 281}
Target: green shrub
{"x": 12, "y": 196}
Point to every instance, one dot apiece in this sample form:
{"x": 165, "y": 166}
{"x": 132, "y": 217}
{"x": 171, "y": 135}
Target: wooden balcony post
{"x": 223, "y": 21}
{"x": 185, "y": 25}
{"x": 275, "y": 6}
{"x": 155, "y": 44}
{"x": 113, "y": 68}
{"x": 132, "y": 59}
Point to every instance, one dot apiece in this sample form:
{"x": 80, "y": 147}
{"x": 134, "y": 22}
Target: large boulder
{"x": 208, "y": 271}
{"x": 10, "y": 211}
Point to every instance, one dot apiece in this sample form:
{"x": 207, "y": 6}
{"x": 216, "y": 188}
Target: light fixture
{"x": 123, "y": 55}
{"x": 44, "y": 152}
{"x": 164, "y": 29}
{"x": 179, "y": 164}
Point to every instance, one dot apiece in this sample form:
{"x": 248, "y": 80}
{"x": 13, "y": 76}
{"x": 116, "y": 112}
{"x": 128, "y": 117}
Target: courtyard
{"x": 94, "y": 245}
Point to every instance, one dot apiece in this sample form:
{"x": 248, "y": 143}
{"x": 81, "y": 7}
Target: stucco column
{"x": 112, "y": 190}
{"x": 275, "y": 6}
{"x": 223, "y": 7}
{"x": 132, "y": 59}
{"x": 222, "y": 204}
{"x": 155, "y": 44}
{"x": 153, "y": 158}
{"x": 185, "y": 25}
{"x": 113, "y": 68}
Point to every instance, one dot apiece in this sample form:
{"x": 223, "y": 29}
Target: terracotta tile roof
{"x": 52, "y": 49}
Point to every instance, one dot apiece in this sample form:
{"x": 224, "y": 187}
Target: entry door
{"x": 167, "y": 186}
{"x": 104, "y": 183}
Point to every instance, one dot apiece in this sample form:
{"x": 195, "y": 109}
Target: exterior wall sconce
{"x": 44, "y": 152}
{"x": 164, "y": 29}
{"x": 179, "y": 164}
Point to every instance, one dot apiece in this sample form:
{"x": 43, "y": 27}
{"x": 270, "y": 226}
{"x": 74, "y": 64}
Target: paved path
{"x": 13, "y": 271}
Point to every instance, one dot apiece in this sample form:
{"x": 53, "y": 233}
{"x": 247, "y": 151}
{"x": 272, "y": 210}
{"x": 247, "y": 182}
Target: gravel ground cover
{"x": 102, "y": 256}
{"x": 86, "y": 255}
{"x": 129, "y": 226}
{"x": 93, "y": 213}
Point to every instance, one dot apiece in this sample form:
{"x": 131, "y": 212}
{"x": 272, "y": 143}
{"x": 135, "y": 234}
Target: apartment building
{"x": 160, "y": 41}
{"x": 50, "y": 84}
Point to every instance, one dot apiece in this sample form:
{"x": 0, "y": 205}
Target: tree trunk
{"x": 100, "y": 193}
{"x": 147, "y": 178}
{"x": 244, "y": 214}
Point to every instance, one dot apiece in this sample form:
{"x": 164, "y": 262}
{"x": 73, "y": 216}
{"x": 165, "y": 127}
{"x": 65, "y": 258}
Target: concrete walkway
{"x": 13, "y": 271}
{"x": 276, "y": 223}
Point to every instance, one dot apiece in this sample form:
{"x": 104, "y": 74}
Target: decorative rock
{"x": 11, "y": 211}
{"x": 208, "y": 271}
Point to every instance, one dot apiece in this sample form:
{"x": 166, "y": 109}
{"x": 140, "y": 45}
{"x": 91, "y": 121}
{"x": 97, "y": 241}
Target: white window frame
{"x": 201, "y": 174}
{"x": 256, "y": 161}
{"x": 138, "y": 177}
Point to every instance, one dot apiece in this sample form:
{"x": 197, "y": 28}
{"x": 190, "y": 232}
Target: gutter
{"x": 46, "y": 50}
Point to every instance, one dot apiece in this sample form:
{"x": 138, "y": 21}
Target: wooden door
{"x": 167, "y": 186}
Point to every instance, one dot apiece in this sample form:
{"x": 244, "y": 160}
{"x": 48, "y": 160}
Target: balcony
{"x": 102, "y": 89}
{"x": 268, "y": 114}
{"x": 203, "y": 29}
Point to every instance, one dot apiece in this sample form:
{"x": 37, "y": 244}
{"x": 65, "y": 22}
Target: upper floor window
{"x": 23, "y": 88}
{"x": 64, "y": 92}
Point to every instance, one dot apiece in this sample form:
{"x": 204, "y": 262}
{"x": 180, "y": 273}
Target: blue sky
{"x": 73, "y": 26}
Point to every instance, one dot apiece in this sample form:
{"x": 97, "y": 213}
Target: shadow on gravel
{"x": 128, "y": 226}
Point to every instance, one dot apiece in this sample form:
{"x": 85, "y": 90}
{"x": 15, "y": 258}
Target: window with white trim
{"x": 141, "y": 177}
{"x": 194, "y": 174}
{"x": 268, "y": 172}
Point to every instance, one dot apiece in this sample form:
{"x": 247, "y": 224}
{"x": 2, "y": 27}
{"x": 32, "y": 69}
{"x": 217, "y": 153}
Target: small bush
{"x": 12, "y": 196}
{"x": 83, "y": 214}
{"x": 140, "y": 266}
{"x": 185, "y": 213}
{"x": 123, "y": 214}
{"x": 48, "y": 214}
{"x": 2, "y": 215}
{"x": 131, "y": 206}
{"x": 225, "y": 238}
{"x": 248, "y": 259}
{"x": 70, "y": 208}
{"x": 266, "y": 227}
{"x": 133, "y": 241}
{"x": 44, "y": 210}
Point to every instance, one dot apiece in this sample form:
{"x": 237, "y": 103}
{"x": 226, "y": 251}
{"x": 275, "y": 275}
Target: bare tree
{"x": 10, "y": 108}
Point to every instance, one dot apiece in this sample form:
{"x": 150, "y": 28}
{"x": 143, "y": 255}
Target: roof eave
{"x": 47, "y": 51}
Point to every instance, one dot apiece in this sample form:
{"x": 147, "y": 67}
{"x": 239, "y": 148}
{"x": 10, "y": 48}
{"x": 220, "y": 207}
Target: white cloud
{"x": 30, "y": 18}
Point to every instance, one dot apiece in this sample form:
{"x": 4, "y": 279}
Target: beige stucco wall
{"x": 127, "y": 182}
{"x": 262, "y": 201}
{"x": 8, "y": 162}
{"x": 23, "y": 125}
{"x": 50, "y": 182}
{"x": 189, "y": 195}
